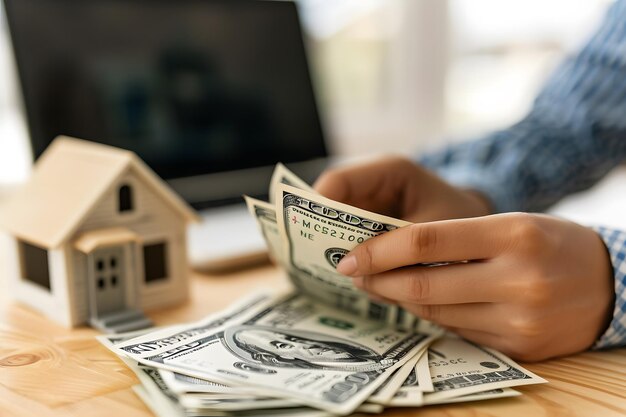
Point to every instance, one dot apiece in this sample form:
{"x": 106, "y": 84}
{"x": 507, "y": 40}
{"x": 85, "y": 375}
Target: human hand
{"x": 399, "y": 188}
{"x": 534, "y": 286}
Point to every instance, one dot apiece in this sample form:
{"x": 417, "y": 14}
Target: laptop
{"x": 209, "y": 93}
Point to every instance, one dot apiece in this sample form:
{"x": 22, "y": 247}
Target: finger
{"x": 461, "y": 283}
{"x": 443, "y": 241}
{"x": 377, "y": 298}
{"x": 477, "y": 316}
{"x": 490, "y": 339}
{"x": 376, "y": 186}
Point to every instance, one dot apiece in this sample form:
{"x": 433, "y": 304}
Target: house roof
{"x": 67, "y": 181}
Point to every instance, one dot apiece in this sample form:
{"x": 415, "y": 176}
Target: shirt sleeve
{"x": 574, "y": 134}
{"x": 615, "y": 241}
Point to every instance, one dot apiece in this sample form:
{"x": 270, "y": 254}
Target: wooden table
{"x": 47, "y": 370}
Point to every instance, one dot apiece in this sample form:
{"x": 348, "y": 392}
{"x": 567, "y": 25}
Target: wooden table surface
{"x": 48, "y": 370}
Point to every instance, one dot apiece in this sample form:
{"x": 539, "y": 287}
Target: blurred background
{"x": 399, "y": 75}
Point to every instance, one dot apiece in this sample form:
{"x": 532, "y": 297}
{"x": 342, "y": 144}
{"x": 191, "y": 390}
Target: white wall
{"x": 15, "y": 159}
{"x": 502, "y": 52}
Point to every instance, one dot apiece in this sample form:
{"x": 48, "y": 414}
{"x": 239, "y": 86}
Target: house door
{"x": 108, "y": 280}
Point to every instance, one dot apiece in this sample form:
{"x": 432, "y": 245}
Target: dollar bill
{"x": 265, "y": 216}
{"x": 163, "y": 401}
{"x": 181, "y": 384}
{"x": 417, "y": 382}
{"x": 450, "y": 350}
{"x": 282, "y": 175}
{"x": 407, "y": 399}
{"x": 109, "y": 340}
{"x": 387, "y": 391}
{"x": 417, "y": 399}
{"x": 468, "y": 373}
{"x": 351, "y": 300}
{"x": 159, "y": 407}
{"x": 477, "y": 396}
{"x": 176, "y": 384}
{"x": 410, "y": 394}
{"x": 317, "y": 233}
{"x": 422, "y": 372}
{"x": 233, "y": 402}
{"x": 297, "y": 349}
{"x": 153, "y": 391}
{"x": 458, "y": 367}
{"x": 164, "y": 339}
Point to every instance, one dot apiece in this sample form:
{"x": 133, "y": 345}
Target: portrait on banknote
{"x": 299, "y": 349}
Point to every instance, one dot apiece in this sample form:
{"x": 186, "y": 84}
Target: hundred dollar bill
{"x": 417, "y": 399}
{"x": 152, "y": 341}
{"x": 109, "y": 340}
{"x": 176, "y": 383}
{"x": 265, "y": 216}
{"x": 282, "y": 175}
{"x": 166, "y": 338}
{"x": 155, "y": 387}
{"x": 317, "y": 233}
{"x": 298, "y": 349}
{"x": 410, "y": 393}
{"x": 221, "y": 397}
{"x": 233, "y": 402}
{"x": 180, "y": 384}
{"x": 265, "y": 213}
{"x": 189, "y": 388}
{"x": 160, "y": 407}
{"x": 157, "y": 395}
{"x": 458, "y": 367}
{"x": 407, "y": 399}
{"x": 386, "y": 392}
{"x": 275, "y": 412}
{"x": 239, "y": 403}
{"x": 422, "y": 371}
{"x": 153, "y": 391}
{"x": 477, "y": 396}
{"x": 416, "y": 383}
{"x": 414, "y": 391}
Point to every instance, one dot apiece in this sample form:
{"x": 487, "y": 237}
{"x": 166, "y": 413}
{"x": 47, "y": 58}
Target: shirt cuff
{"x": 615, "y": 241}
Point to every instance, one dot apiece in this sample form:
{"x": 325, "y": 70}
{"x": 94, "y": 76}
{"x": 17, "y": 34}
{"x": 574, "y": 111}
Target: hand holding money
{"x": 322, "y": 349}
{"x": 399, "y": 188}
{"x": 532, "y": 286}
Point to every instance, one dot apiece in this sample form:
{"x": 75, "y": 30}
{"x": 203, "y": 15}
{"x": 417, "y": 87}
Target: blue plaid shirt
{"x": 573, "y": 136}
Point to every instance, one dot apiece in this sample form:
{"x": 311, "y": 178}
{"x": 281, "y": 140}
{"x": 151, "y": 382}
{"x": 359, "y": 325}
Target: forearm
{"x": 574, "y": 134}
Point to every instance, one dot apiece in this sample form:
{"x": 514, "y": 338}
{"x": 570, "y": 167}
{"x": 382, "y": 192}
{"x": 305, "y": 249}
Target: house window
{"x": 125, "y": 198}
{"x": 155, "y": 262}
{"x": 34, "y": 261}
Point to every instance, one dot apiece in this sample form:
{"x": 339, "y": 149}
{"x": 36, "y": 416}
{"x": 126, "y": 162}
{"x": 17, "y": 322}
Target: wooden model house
{"x": 96, "y": 237}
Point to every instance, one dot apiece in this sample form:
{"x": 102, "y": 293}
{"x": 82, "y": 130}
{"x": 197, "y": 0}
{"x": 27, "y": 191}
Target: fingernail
{"x": 358, "y": 282}
{"x": 347, "y": 266}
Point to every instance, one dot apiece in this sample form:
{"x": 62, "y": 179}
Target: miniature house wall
{"x": 94, "y": 234}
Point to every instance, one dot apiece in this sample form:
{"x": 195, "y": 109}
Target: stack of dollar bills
{"x": 320, "y": 349}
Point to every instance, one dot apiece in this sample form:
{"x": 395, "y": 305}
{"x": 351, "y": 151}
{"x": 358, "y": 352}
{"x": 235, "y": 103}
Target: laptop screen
{"x": 194, "y": 87}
